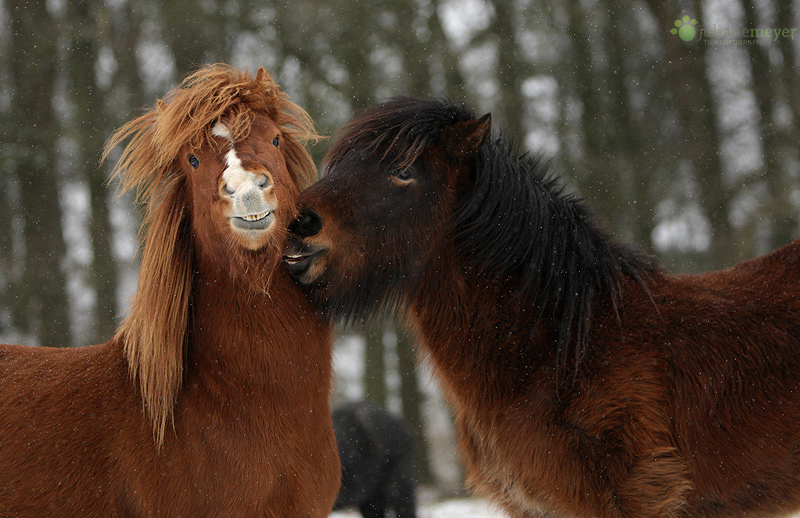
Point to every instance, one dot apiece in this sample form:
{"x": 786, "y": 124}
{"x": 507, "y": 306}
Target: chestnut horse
{"x": 586, "y": 380}
{"x": 212, "y": 398}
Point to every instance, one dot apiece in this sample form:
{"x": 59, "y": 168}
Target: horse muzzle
{"x": 304, "y": 260}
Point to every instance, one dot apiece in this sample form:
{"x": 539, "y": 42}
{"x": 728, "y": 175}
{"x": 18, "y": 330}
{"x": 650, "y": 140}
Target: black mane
{"x": 396, "y": 132}
{"x": 515, "y": 220}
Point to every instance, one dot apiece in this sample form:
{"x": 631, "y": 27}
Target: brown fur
{"x": 212, "y": 399}
{"x": 682, "y": 394}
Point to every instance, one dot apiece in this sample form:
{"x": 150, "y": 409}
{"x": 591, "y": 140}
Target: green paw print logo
{"x": 685, "y": 28}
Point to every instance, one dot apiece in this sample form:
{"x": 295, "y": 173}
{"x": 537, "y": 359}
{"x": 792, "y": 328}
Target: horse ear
{"x": 260, "y": 74}
{"x": 464, "y": 138}
{"x": 154, "y": 333}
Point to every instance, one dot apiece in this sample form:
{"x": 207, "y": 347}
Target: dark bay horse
{"x": 212, "y": 398}
{"x": 586, "y": 380}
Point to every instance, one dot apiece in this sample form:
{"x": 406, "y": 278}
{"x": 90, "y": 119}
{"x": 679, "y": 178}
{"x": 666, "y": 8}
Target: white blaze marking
{"x": 220, "y": 130}
{"x": 236, "y": 176}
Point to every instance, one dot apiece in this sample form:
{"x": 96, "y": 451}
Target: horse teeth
{"x": 256, "y": 217}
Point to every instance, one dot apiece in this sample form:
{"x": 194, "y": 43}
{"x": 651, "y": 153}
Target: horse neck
{"x": 490, "y": 335}
{"x": 478, "y": 333}
{"x": 240, "y": 333}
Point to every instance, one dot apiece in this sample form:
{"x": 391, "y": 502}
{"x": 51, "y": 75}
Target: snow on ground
{"x": 461, "y": 508}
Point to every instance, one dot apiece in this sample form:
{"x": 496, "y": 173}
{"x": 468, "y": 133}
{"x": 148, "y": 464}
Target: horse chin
{"x": 253, "y": 237}
{"x": 255, "y": 269}
{"x": 307, "y": 269}
{"x": 305, "y": 262}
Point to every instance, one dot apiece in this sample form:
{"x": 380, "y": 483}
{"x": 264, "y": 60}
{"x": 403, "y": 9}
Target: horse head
{"x": 391, "y": 181}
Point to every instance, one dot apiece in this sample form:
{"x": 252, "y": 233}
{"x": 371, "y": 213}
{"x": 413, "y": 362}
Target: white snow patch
{"x": 459, "y": 508}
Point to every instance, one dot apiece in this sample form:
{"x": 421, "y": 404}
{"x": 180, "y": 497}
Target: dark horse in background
{"x": 586, "y": 380}
{"x": 376, "y": 450}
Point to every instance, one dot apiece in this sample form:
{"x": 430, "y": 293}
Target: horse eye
{"x": 194, "y": 161}
{"x": 275, "y": 141}
{"x": 404, "y": 175}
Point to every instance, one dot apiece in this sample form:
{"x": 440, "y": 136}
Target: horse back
{"x": 779, "y": 266}
{"x": 749, "y": 312}
{"x": 730, "y": 344}
{"x": 694, "y": 385}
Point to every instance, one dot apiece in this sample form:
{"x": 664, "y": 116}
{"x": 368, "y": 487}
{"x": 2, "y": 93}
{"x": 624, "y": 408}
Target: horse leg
{"x": 399, "y": 489}
{"x": 373, "y": 508}
{"x": 513, "y": 510}
{"x": 402, "y": 498}
{"x": 656, "y": 486}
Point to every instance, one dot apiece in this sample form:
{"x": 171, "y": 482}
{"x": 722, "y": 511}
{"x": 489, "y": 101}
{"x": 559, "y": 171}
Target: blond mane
{"x": 155, "y": 332}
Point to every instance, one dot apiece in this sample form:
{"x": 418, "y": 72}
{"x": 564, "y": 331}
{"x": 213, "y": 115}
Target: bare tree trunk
{"x": 440, "y": 50}
{"x": 790, "y": 70}
{"x": 412, "y": 398}
{"x": 687, "y": 79}
{"x": 765, "y": 84}
{"x": 374, "y": 363}
{"x": 512, "y": 71}
{"x": 6, "y": 240}
{"x": 195, "y": 33}
{"x": 42, "y": 300}
{"x": 635, "y": 207}
{"x": 91, "y": 127}
{"x": 416, "y": 56}
{"x": 600, "y": 170}
{"x": 124, "y": 33}
{"x": 6, "y": 207}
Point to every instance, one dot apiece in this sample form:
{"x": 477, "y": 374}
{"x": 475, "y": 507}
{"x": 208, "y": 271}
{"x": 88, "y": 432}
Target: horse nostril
{"x": 308, "y": 224}
{"x": 227, "y": 190}
{"x": 265, "y": 182}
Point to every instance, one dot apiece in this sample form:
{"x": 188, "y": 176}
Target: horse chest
{"x": 246, "y": 457}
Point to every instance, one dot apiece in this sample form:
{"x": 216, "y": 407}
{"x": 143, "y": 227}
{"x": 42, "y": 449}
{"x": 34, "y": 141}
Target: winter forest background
{"x": 689, "y": 149}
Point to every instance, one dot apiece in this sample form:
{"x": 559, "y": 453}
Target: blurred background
{"x": 687, "y": 146}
